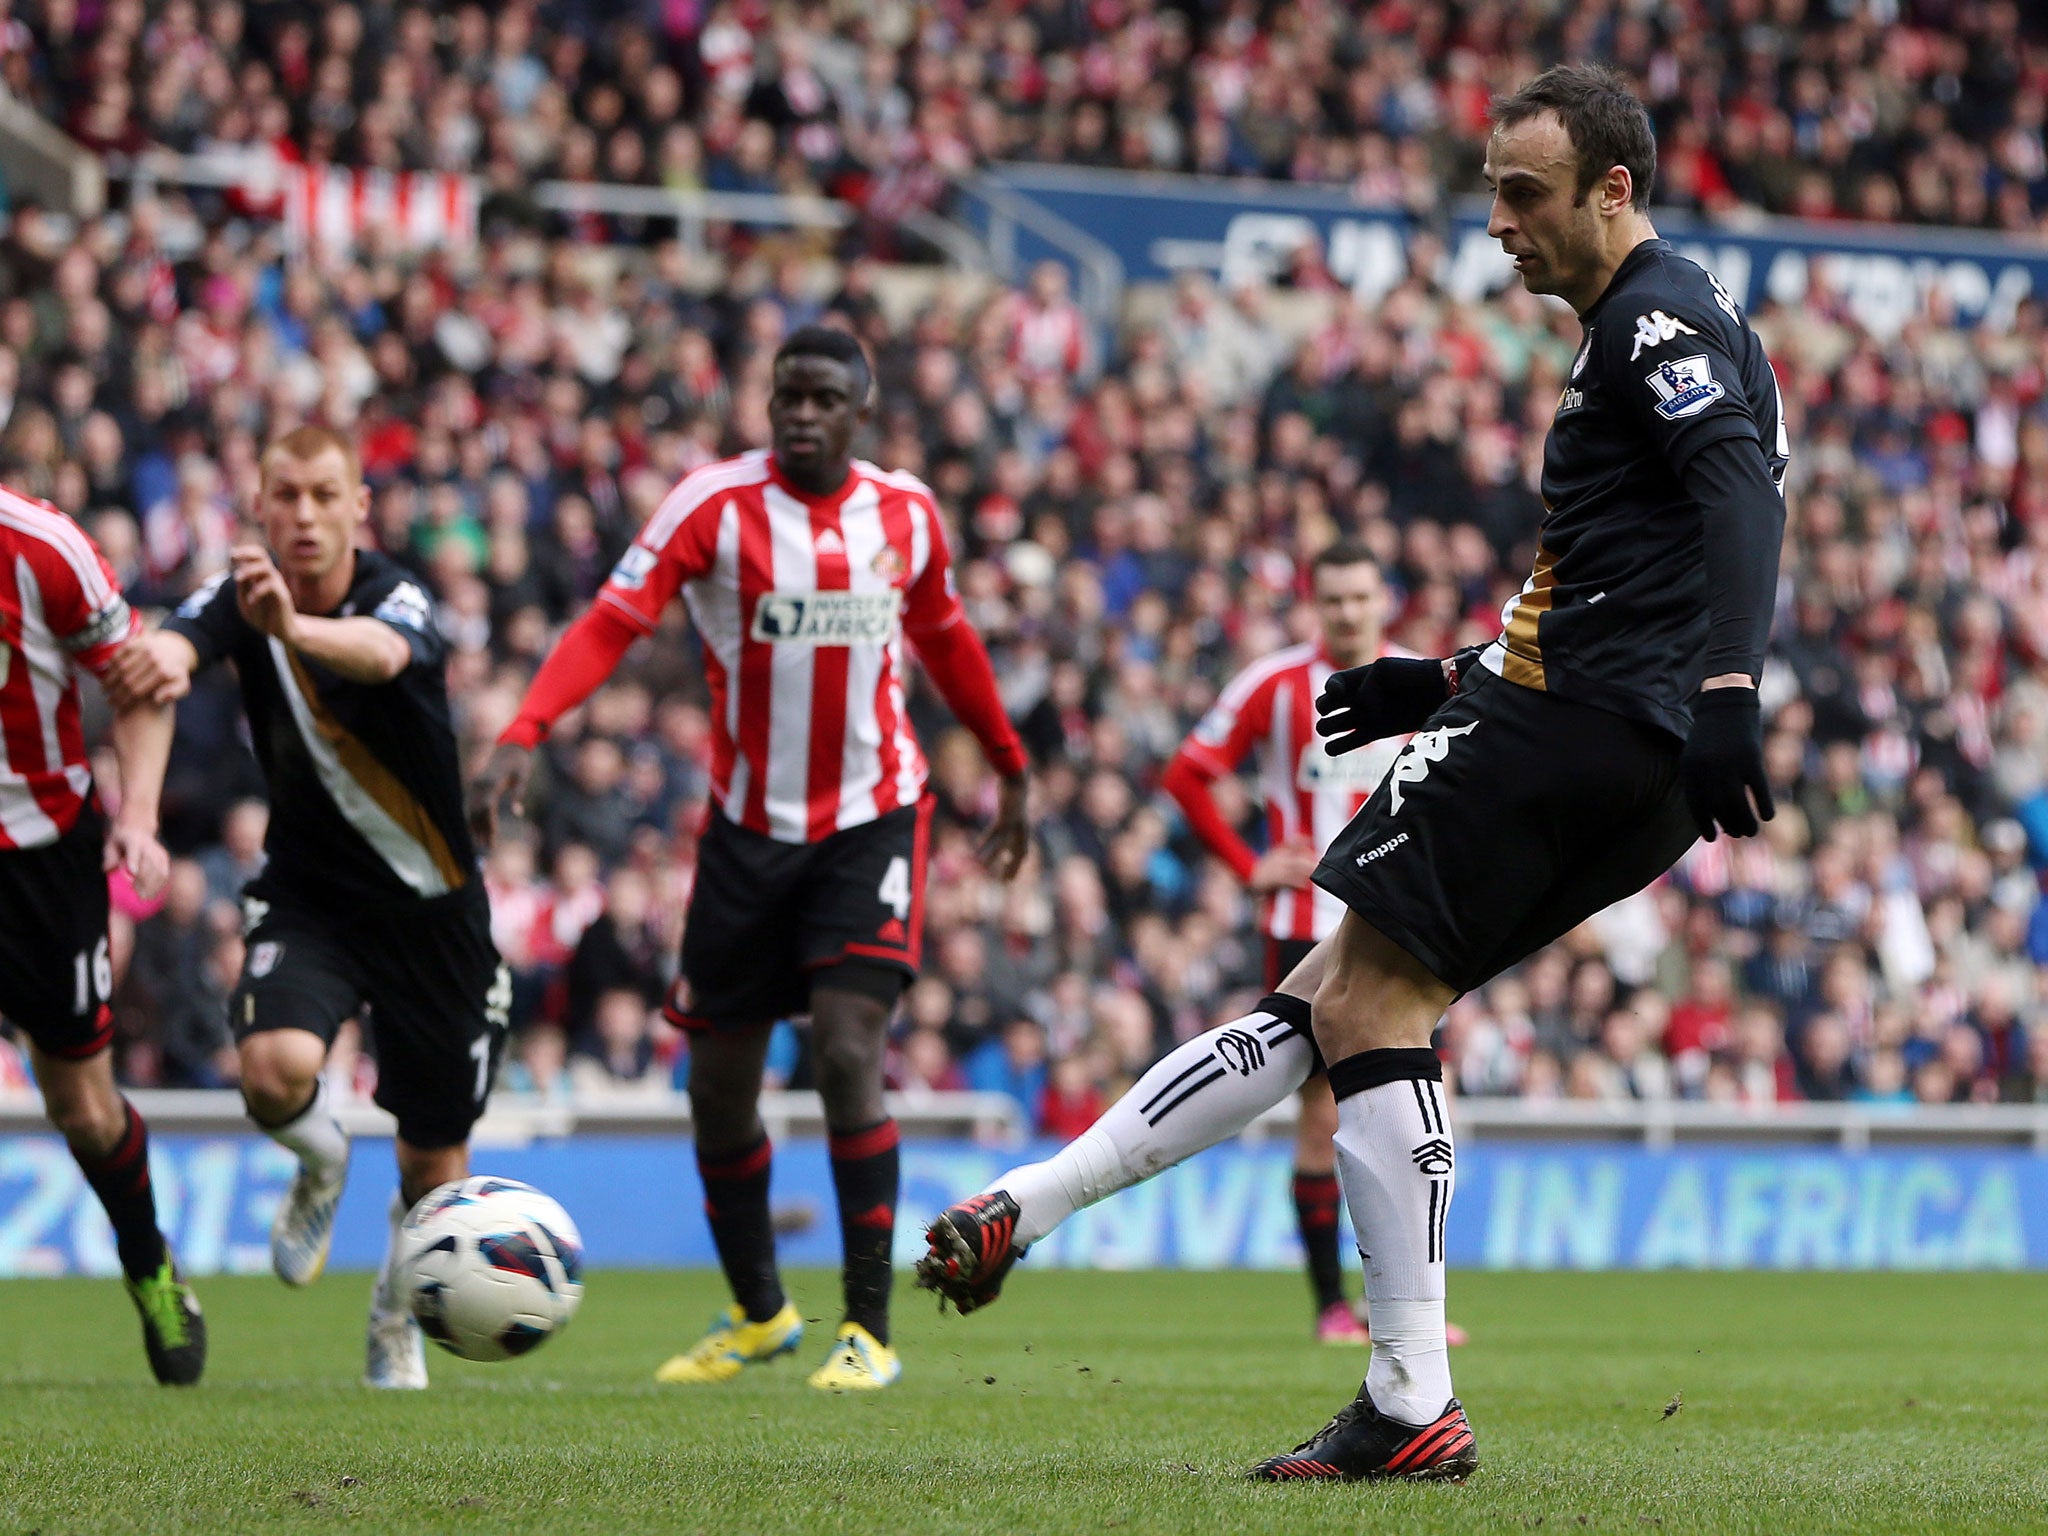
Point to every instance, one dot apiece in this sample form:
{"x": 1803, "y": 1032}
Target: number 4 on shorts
{"x": 894, "y": 890}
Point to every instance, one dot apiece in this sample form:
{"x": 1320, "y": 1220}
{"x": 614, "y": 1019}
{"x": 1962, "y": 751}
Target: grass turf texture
{"x": 1126, "y": 1402}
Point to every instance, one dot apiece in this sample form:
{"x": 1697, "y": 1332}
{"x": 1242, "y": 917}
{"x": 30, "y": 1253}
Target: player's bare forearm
{"x": 155, "y": 667}
{"x": 142, "y": 747}
{"x": 361, "y": 649}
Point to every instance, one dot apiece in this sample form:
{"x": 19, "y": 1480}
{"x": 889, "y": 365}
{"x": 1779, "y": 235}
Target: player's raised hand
{"x": 1284, "y": 868}
{"x": 153, "y": 667}
{"x": 504, "y": 776}
{"x": 137, "y": 850}
{"x": 1722, "y": 765}
{"x": 261, "y": 593}
{"x": 1008, "y": 839}
{"x": 1388, "y": 697}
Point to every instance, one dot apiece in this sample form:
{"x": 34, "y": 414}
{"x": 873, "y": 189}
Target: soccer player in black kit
{"x": 1571, "y": 761}
{"x": 371, "y": 894}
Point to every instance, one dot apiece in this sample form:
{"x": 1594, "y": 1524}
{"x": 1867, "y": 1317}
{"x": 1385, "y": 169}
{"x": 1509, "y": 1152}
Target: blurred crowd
{"x": 1928, "y": 111}
{"x": 1132, "y": 516}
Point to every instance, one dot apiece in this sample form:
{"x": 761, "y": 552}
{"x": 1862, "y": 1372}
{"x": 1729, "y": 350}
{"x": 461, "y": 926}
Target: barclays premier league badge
{"x": 1685, "y": 386}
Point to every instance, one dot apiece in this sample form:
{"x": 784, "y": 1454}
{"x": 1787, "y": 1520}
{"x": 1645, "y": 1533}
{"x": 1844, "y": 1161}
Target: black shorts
{"x": 1511, "y": 818}
{"x": 1282, "y": 956}
{"x": 56, "y": 973}
{"x": 438, "y": 997}
{"x": 767, "y": 916}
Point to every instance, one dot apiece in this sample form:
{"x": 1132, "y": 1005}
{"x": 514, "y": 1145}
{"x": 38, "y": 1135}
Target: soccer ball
{"x": 493, "y": 1267}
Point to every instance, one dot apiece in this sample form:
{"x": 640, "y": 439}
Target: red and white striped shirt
{"x": 60, "y": 607}
{"x": 1269, "y": 710}
{"x": 803, "y": 603}
{"x": 1049, "y": 340}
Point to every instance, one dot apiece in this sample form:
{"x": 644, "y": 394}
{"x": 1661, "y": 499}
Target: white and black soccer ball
{"x": 493, "y": 1267}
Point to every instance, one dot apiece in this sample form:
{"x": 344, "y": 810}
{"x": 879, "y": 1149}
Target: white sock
{"x": 1202, "y": 1092}
{"x": 1397, "y": 1167}
{"x": 314, "y": 1134}
{"x": 389, "y": 1296}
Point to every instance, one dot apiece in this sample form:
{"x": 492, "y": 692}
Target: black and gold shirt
{"x": 365, "y": 786}
{"x": 1615, "y": 613}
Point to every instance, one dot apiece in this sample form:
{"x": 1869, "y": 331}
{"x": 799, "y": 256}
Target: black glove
{"x": 1388, "y": 697}
{"x": 1723, "y": 758}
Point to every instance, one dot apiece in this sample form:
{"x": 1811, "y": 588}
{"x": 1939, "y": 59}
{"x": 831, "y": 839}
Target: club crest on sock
{"x": 1240, "y": 1051}
{"x": 1434, "y": 1157}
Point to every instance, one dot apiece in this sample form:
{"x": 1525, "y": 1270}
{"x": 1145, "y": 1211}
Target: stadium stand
{"x": 1130, "y": 535}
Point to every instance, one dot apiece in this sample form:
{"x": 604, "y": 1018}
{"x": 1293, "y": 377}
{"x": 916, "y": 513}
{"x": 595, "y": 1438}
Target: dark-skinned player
{"x": 805, "y": 571}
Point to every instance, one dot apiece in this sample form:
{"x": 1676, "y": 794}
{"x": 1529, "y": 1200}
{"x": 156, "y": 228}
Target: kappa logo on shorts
{"x": 1434, "y": 1157}
{"x": 1241, "y": 1052}
{"x": 1425, "y": 750}
{"x": 264, "y": 957}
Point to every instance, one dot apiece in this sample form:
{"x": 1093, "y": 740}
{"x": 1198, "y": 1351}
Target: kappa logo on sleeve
{"x": 1656, "y": 328}
{"x": 1685, "y": 386}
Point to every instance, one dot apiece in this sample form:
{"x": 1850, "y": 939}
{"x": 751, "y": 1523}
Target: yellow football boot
{"x": 859, "y": 1362}
{"x": 731, "y": 1344}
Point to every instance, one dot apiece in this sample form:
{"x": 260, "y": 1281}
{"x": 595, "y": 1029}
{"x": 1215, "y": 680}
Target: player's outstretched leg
{"x": 734, "y": 1156}
{"x": 394, "y": 1348}
{"x": 1208, "y": 1089}
{"x": 111, "y": 1145}
{"x": 849, "y": 1024}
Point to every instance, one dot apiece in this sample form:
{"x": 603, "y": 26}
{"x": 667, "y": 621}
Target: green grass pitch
{"x": 1125, "y": 1402}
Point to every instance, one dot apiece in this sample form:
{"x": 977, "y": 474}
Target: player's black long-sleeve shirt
{"x": 365, "y": 785}
{"x": 1658, "y": 555}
